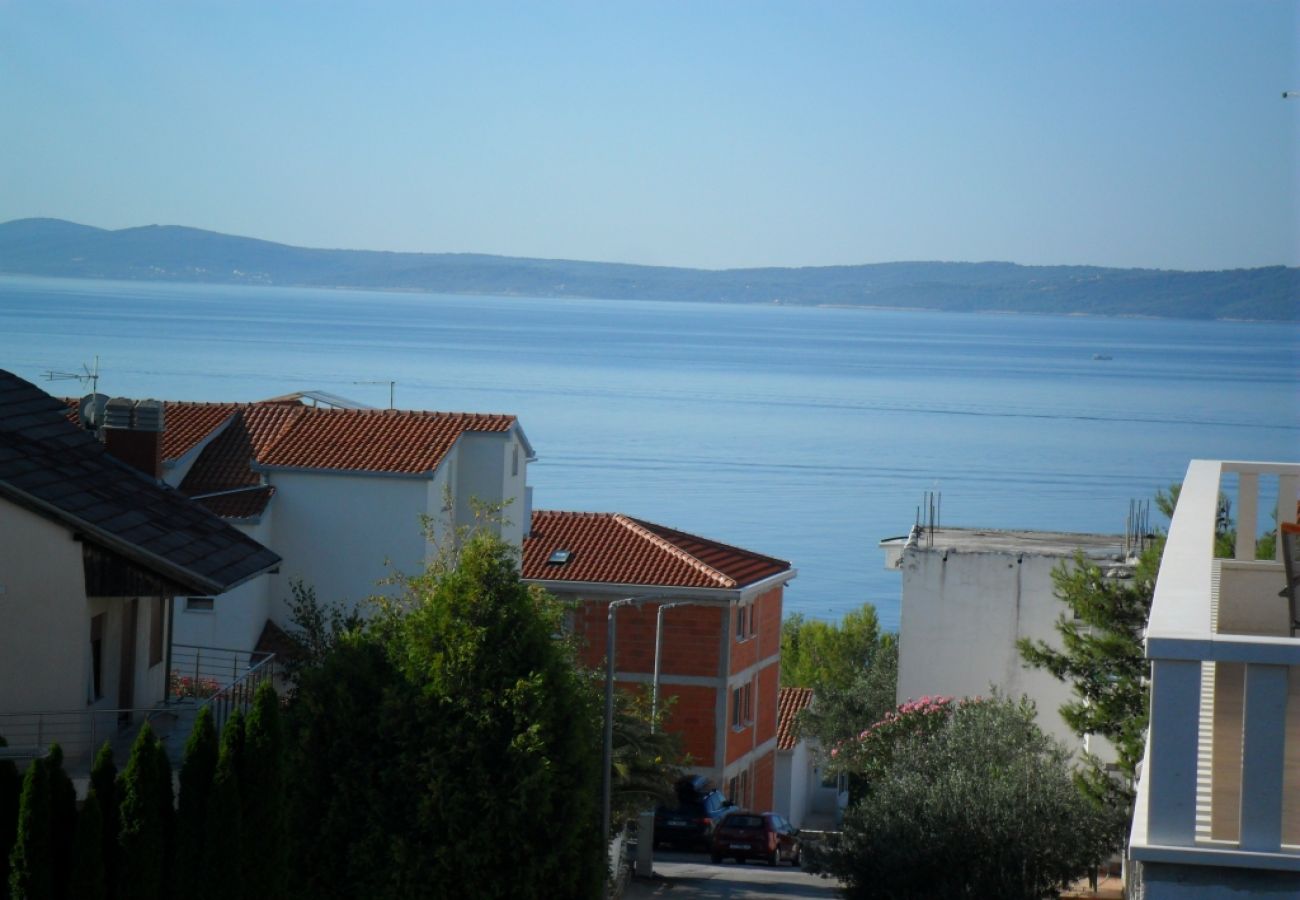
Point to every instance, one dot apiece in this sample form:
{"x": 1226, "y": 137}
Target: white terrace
{"x": 1219, "y": 796}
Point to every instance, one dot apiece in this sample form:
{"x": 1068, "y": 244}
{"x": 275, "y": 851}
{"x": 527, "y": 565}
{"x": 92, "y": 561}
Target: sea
{"x": 805, "y": 433}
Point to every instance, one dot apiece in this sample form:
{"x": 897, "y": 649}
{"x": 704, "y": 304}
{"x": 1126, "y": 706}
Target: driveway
{"x": 682, "y": 876}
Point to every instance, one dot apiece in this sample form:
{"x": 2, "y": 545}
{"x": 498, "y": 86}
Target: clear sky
{"x": 704, "y": 134}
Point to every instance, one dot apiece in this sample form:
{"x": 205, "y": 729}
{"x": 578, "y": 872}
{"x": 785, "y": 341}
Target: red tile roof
{"x": 246, "y": 504}
{"x": 608, "y": 548}
{"x": 790, "y": 702}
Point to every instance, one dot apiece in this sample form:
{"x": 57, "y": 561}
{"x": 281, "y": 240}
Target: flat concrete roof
{"x": 992, "y": 540}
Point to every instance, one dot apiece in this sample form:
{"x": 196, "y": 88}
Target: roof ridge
{"x": 663, "y": 543}
{"x": 723, "y": 544}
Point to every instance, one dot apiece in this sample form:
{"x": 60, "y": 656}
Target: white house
{"x": 92, "y": 553}
{"x": 1218, "y": 799}
{"x": 804, "y": 793}
{"x": 969, "y": 594}
{"x": 343, "y": 495}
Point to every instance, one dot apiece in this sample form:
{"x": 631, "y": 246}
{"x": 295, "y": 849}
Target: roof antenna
{"x": 87, "y": 374}
{"x": 391, "y": 385}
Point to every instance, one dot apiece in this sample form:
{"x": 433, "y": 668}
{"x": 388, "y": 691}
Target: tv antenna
{"x": 391, "y": 386}
{"x": 86, "y": 375}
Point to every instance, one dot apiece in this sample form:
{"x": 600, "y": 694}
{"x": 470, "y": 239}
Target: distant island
{"x": 56, "y": 248}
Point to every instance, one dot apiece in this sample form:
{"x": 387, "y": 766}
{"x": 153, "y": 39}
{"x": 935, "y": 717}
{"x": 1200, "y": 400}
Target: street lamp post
{"x": 610, "y": 637}
{"x": 659, "y": 638}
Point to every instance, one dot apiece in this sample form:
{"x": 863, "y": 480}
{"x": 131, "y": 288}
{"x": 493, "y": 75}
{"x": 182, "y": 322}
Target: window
{"x": 740, "y": 624}
{"x": 753, "y": 621}
{"x": 749, "y": 702}
{"x": 736, "y": 710}
{"x": 744, "y": 787}
{"x": 97, "y": 657}
{"x": 199, "y": 604}
{"x": 156, "y": 632}
{"x": 733, "y": 791}
{"x": 514, "y": 462}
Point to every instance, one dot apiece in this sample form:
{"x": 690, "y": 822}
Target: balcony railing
{"x": 1220, "y": 783}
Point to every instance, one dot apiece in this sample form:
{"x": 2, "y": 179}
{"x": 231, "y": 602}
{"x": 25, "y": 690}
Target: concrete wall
{"x": 44, "y": 620}
{"x": 961, "y": 616}
{"x": 335, "y": 532}
{"x": 492, "y": 468}
{"x": 238, "y": 616}
{"x": 1166, "y": 881}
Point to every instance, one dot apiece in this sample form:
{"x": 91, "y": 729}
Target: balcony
{"x": 1220, "y": 784}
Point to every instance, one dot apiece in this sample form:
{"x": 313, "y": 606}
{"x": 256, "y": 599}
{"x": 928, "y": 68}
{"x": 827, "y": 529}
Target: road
{"x": 684, "y": 876}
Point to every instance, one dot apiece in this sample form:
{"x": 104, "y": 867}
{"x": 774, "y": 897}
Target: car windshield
{"x": 744, "y": 822}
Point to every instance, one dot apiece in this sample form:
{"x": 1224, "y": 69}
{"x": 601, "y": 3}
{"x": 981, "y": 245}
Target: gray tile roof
{"x": 60, "y": 471}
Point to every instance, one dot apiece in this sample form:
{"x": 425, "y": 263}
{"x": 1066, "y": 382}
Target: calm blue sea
{"x": 803, "y": 433}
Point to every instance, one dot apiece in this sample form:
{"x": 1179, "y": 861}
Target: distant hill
{"x": 53, "y": 247}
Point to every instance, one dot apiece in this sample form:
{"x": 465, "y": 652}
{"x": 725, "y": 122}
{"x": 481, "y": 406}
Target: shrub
{"x": 10, "y": 789}
{"x": 140, "y": 839}
{"x": 103, "y": 781}
{"x": 63, "y": 822}
{"x": 87, "y": 875}
{"x": 262, "y": 789}
{"x": 196, "y": 785}
{"x": 30, "y": 860}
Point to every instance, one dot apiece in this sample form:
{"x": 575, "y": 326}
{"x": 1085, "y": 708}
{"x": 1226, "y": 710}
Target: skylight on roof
{"x": 559, "y": 557}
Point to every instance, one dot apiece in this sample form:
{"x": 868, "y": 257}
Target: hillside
{"x": 52, "y": 247}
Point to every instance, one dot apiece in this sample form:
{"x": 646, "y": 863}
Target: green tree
{"x": 456, "y": 685}
{"x": 262, "y": 787}
{"x": 839, "y": 711}
{"x": 30, "y": 860}
{"x": 646, "y": 758}
{"x": 166, "y": 798}
{"x": 1102, "y": 658}
{"x": 63, "y": 821}
{"x": 823, "y": 655}
{"x": 87, "y": 876}
{"x": 140, "y": 838}
{"x": 197, "y": 771}
{"x": 221, "y": 872}
{"x": 963, "y": 800}
{"x": 103, "y": 781}
{"x": 10, "y": 790}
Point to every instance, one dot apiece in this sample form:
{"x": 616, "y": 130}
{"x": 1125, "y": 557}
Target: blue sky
{"x": 703, "y": 134}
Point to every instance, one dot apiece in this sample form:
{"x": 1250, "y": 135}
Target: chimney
{"x": 133, "y": 433}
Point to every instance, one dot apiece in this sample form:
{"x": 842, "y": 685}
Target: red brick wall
{"x": 765, "y": 703}
{"x": 691, "y": 640}
{"x": 769, "y": 623}
{"x": 691, "y": 716}
{"x": 765, "y": 781}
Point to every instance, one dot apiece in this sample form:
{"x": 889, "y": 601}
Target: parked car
{"x": 749, "y": 835}
{"x": 691, "y": 822}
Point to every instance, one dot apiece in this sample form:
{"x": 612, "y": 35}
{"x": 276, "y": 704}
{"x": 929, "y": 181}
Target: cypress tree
{"x": 87, "y": 878}
{"x": 166, "y": 797}
{"x": 29, "y": 861}
{"x": 196, "y": 786}
{"x": 140, "y": 841}
{"x": 221, "y": 877}
{"x": 63, "y": 822}
{"x": 103, "y": 781}
{"x": 10, "y": 788}
{"x": 261, "y": 788}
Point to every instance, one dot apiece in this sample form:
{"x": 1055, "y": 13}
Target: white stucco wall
{"x": 238, "y": 616}
{"x": 44, "y": 621}
{"x": 962, "y": 613}
{"x": 335, "y": 532}
{"x": 486, "y": 471}
{"x": 793, "y": 774}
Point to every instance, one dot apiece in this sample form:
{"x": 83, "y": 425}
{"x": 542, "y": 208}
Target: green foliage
{"x": 824, "y": 655}
{"x": 87, "y": 875}
{"x": 197, "y": 771}
{"x": 221, "y": 875}
{"x": 140, "y": 840}
{"x": 974, "y": 801}
{"x": 63, "y": 822}
{"x": 451, "y": 742}
{"x": 165, "y": 796}
{"x": 318, "y": 629}
{"x": 103, "y": 781}
{"x": 30, "y": 860}
{"x": 261, "y": 788}
{"x": 840, "y": 712}
{"x": 644, "y": 765}
{"x": 1102, "y": 659}
{"x": 10, "y": 789}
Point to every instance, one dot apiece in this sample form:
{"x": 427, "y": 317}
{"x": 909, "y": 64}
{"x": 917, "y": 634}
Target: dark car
{"x": 691, "y": 822}
{"x": 750, "y": 835}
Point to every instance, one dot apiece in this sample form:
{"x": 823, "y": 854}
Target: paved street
{"x": 680, "y": 875}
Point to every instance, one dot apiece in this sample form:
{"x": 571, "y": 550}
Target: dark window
{"x": 736, "y": 711}
{"x": 199, "y": 604}
{"x": 156, "y": 631}
{"x": 97, "y": 655}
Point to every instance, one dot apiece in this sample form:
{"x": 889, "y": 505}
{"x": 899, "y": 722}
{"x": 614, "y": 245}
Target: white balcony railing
{"x": 1220, "y": 783}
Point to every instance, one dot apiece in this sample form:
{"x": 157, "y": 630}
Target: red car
{"x": 750, "y": 835}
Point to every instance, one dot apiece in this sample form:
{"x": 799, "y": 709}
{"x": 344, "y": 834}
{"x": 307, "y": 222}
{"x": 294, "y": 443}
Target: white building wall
{"x": 793, "y": 777}
{"x": 962, "y": 613}
{"x": 492, "y": 468}
{"x": 238, "y": 616}
{"x": 335, "y": 532}
{"x": 44, "y": 620}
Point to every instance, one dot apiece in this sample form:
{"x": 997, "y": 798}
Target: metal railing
{"x": 79, "y": 732}
{"x": 238, "y": 694}
{"x": 200, "y": 673}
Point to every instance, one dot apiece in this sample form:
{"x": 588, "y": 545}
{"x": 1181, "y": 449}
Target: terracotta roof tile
{"x": 247, "y": 504}
{"x": 188, "y": 424}
{"x": 60, "y": 471}
{"x": 790, "y": 702}
{"x": 608, "y": 548}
